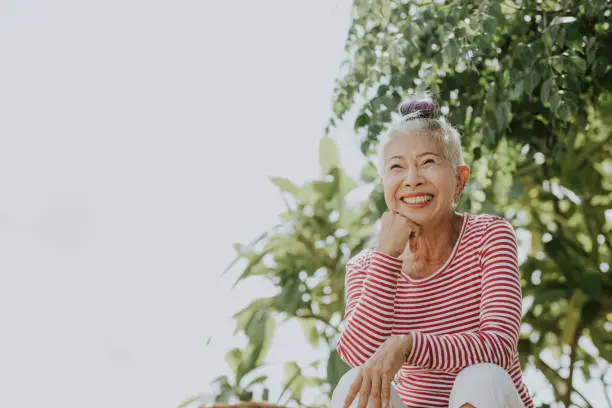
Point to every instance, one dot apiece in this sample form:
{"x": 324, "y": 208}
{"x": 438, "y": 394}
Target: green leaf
{"x": 579, "y": 65}
{"x": 336, "y": 368}
{"x": 451, "y": 51}
{"x": 189, "y": 401}
{"x": 326, "y": 189}
{"x": 532, "y": 79}
{"x": 233, "y": 358}
{"x": 361, "y": 121}
{"x": 545, "y": 90}
{"x": 224, "y": 396}
{"x": 490, "y": 25}
{"x": 257, "y": 380}
{"x": 555, "y": 101}
{"x": 382, "y": 90}
{"x": 518, "y": 89}
{"x": 237, "y": 247}
{"x": 285, "y": 185}
{"x": 563, "y": 20}
{"x": 291, "y": 380}
{"x": 290, "y": 297}
{"x": 245, "y": 316}
{"x": 308, "y": 195}
{"x": 328, "y": 155}
{"x": 260, "y": 332}
{"x": 547, "y": 40}
{"x": 558, "y": 63}
{"x": 222, "y": 380}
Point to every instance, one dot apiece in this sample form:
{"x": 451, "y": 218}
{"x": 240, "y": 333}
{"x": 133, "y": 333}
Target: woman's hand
{"x": 376, "y": 375}
{"x": 395, "y": 233}
{"x": 412, "y": 258}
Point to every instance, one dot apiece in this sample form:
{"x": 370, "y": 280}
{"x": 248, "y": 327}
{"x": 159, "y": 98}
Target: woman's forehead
{"x": 412, "y": 144}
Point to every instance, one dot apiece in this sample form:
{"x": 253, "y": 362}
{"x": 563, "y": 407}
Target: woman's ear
{"x": 463, "y": 173}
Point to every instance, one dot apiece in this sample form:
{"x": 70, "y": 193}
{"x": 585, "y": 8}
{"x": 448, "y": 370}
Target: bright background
{"x": 136, "y": 142}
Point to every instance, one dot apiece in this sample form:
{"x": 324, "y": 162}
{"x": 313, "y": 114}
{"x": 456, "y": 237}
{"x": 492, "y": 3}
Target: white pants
{"x": 481, "y": 385}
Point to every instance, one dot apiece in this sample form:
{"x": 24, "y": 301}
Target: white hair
{"x": 437, "y": 129}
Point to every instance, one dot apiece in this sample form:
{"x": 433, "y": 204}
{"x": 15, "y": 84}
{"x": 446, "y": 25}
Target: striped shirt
{"x": 466, "y": 312}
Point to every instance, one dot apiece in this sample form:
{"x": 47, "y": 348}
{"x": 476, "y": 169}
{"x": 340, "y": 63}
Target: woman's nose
{"x": 413, "y": 179}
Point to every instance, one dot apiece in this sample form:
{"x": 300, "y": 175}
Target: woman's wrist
{"x": 389, "y": 252}
{"x": 406, "y": 346}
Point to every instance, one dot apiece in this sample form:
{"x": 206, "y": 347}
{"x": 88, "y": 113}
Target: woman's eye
{"x": 429, "y": 161}
{"x": 394, "y": 166}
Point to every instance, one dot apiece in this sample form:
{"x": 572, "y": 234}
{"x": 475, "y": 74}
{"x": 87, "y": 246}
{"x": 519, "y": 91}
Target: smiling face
{"x": 419, "y": 180}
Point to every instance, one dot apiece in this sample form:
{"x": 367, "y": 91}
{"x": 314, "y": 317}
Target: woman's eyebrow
{"x": 418, "y": 155}
{"x": 428, "y": 153}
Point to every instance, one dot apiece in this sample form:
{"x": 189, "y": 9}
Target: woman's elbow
{"x": 349, "y": 355}
{"x": 504, "y": 355}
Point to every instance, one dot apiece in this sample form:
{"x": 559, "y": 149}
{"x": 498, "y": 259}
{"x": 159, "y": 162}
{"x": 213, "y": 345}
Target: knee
{"x": 484, "y": 372}
{"x": 481, "y": 386}
{"x": 479, "y": 371}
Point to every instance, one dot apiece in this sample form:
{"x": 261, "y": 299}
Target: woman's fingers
{"x": 354, "y": 390}
{"x": 385, "y": 391}
{"x": 376, "y": 391}
{"x": 413, "y": 228}
{"x": 364, "y": 394}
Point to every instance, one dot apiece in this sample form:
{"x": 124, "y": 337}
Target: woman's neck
{"x": 437, "y": 240}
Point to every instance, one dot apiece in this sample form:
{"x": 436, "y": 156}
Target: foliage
{"x": 259, "y": 326}
{"x": 304, "y": 257}
{"x": 528, "y": 84}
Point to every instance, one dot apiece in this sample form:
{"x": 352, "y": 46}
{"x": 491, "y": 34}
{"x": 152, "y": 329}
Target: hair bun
{"x": 421, "y": 107}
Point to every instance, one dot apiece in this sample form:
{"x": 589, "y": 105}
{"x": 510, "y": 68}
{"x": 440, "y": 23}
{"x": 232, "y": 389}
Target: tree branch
{"x": 570, "y": 378}
{"x": 581, "y": 395}
{"x": 549, "y": 372}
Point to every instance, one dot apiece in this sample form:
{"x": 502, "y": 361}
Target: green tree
{"x": 529, "y": 86}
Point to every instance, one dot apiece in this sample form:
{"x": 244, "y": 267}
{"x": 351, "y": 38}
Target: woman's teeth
{"x": 417, "y": 200}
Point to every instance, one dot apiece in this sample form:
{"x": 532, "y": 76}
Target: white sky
{"x": 137, "y": 138}
{"x": 136, "y": 142}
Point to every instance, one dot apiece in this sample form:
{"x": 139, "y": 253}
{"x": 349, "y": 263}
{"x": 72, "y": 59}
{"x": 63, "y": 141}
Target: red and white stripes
{"x": 467, "y": 312}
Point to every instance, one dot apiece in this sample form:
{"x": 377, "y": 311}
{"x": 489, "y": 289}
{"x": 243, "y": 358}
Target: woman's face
{"x": 419, "y": 181}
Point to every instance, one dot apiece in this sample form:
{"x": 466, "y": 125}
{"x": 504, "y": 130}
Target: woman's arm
{"x": 500, "y": 313}
{"x": 370, "y": 287}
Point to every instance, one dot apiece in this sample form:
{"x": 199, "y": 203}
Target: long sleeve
{"x": 370, "y": 287}
{"x": 496, "y": 339}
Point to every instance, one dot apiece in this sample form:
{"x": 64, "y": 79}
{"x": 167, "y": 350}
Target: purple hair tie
{"x": 419, "y": 109}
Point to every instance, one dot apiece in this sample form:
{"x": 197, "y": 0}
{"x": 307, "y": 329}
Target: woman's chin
{"x": 419, "y": 217}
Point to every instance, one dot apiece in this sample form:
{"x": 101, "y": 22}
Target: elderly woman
{"x": 433, "y": 310}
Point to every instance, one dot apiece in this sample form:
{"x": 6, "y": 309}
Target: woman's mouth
{"x": 418, "y": 201}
